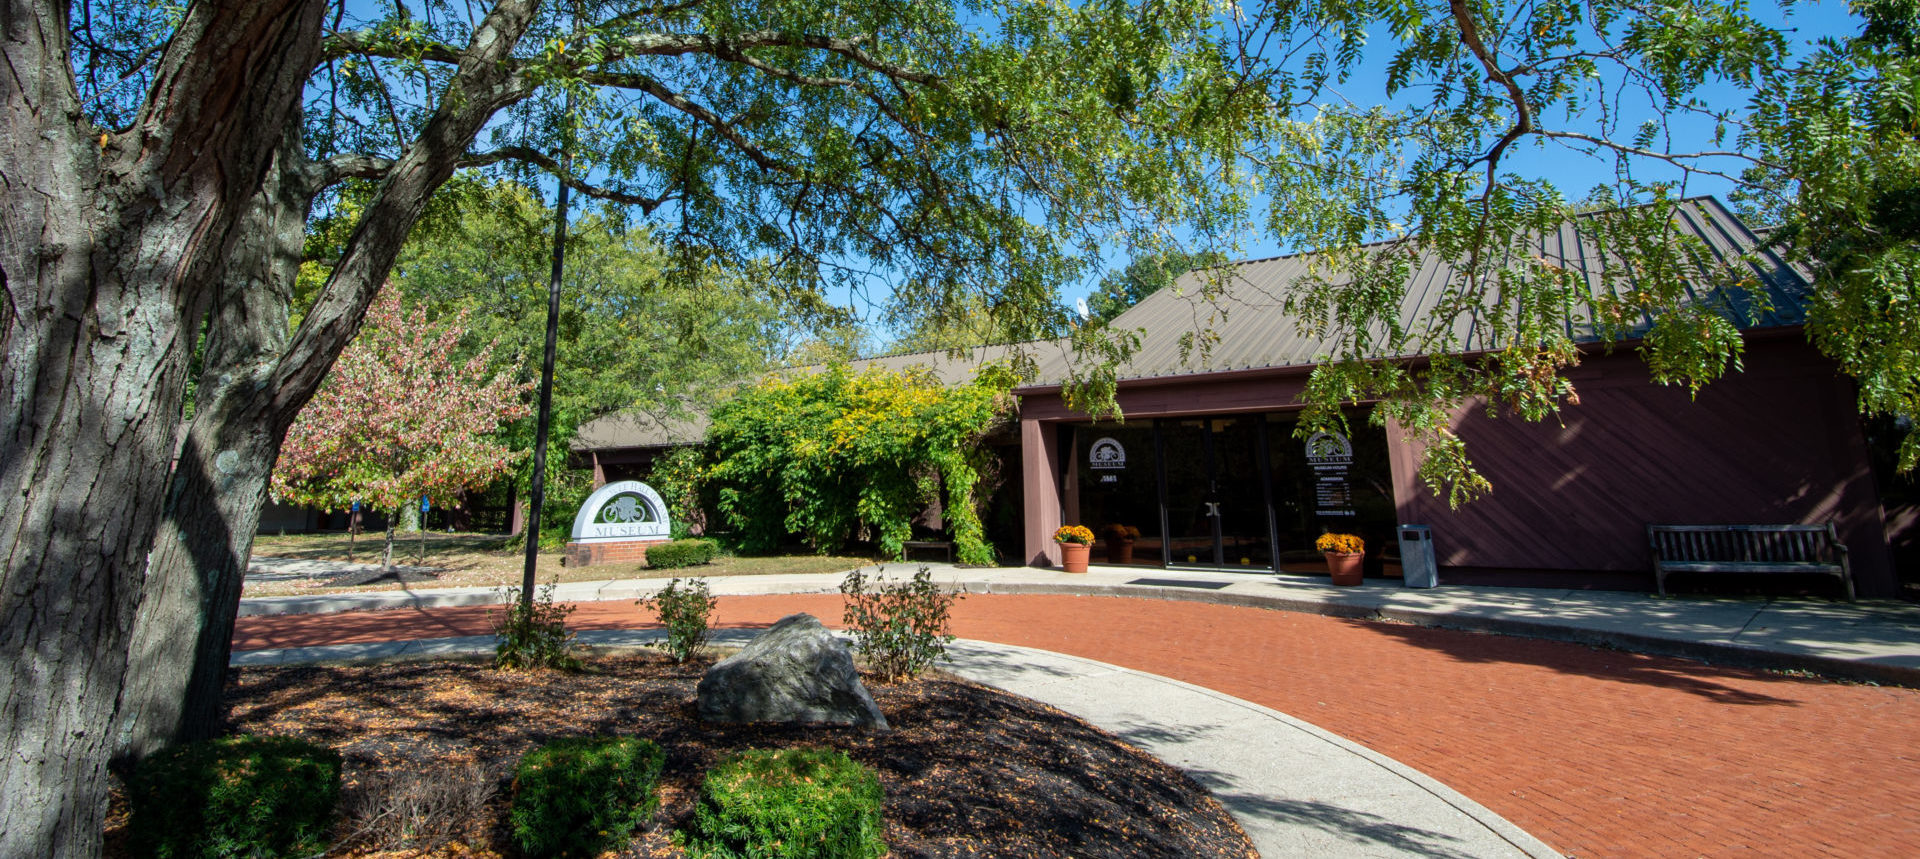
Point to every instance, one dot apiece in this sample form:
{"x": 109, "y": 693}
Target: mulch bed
{"x": 969, "y": 771}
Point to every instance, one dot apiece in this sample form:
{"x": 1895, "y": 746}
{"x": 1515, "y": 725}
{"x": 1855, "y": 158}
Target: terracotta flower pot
{"x": 1120, "y": 551}
{"x": 1073, "y": 557}
{"x": 1345, "y": 567}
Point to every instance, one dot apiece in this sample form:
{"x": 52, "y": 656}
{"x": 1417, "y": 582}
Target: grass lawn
{"x": 488, "y": 560}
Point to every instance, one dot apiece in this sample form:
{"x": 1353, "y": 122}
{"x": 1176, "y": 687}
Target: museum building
{"x": 1206, "y": 472}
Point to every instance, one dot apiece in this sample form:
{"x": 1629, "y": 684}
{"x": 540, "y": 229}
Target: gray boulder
{"x": 796, "y": 671}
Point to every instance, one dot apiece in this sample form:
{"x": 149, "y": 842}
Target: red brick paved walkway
{"x": 1599, "y": 753}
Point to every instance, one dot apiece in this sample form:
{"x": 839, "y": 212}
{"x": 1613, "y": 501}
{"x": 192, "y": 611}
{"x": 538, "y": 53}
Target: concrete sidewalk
{"x": 1297, "y": 790}
{"x": 1876, "y": 640}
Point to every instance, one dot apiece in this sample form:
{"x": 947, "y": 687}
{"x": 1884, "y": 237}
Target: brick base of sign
{"x": 623, "y": 552}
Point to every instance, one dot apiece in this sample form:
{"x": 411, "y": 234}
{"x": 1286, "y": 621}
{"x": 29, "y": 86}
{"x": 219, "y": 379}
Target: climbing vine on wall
{"x": 820, "y": 455}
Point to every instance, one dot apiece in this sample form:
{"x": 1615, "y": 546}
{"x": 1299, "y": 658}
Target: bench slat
{"x": 1748, "y": 549}
{"x": 1751, "y": 567}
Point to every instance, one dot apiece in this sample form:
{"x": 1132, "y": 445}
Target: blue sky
{"x": 1573, "y": 172}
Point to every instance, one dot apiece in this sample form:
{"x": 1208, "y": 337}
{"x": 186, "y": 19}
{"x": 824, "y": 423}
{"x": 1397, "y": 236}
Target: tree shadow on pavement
{"x": 1666, "y": 672}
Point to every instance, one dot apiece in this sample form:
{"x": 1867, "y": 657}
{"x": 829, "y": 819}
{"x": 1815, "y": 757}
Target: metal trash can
{"x": 1417, "y": 569}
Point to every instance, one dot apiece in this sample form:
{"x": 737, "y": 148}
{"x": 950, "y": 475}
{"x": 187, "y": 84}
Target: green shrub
{"x": 681, "y": 553}
{"x": 687, "y": 613}
{"x": 581, "y": 796}
{"x": 533, "y": 636}
{"x": 901, "y": 625}
{"x": 828, "y": 456}
{"x": 799, "y": 803}
{"x": 235, "y": 796}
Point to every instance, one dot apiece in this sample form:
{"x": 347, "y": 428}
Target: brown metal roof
{"x": 1248, "y": 329}
{"x": 641, "y": 429}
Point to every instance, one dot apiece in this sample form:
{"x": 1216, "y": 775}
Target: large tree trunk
{"x": 255, "y": 383}
{"x": 107, "y": 245}
{"x": 183, "y": 630}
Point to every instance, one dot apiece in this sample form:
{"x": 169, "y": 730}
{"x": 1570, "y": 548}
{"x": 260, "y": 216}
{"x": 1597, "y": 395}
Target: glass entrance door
{"x": 1218, "y": 512}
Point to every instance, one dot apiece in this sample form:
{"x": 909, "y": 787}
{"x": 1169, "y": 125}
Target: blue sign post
{"x": 425, "y": 505}
{"x": 353, "y": 529}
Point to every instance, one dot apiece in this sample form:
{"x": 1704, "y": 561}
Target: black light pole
{"x": 546, "y": 378}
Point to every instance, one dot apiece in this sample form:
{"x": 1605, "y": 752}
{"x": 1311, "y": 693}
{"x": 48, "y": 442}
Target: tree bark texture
{"x": 183, "y": 630}
{"x": 386, "y": 555}
{"x": 108, "y": 246}
{"x": 255, "y": 381}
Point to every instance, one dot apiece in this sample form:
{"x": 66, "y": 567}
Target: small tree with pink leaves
{"x": 400, "y": 418}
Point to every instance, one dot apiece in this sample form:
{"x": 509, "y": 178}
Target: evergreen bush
{"x": 798, "y": 803}
{"x": 681, "y": 553}
{"x": 687, "y": 613}
{"x": 581, "y": 796}
{"x": 235, "y": 796}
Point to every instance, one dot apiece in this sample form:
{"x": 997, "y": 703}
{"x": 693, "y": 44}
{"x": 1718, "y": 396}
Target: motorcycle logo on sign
{"x": 1107, "y": 453}
{"x": 1329, "y": 447}
{"x": 626, "y": 507}
{"x": 621, "y": 511}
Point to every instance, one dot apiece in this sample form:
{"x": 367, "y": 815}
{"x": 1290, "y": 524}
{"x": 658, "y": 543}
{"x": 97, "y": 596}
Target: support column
{"x": 1040, "y": 490}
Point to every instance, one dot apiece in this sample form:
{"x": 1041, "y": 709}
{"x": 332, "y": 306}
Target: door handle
{"x": 1213, "y": 508}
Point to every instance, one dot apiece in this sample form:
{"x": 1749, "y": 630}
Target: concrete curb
{"x": 1499, "y": 826}
{"x": 1367, "y": 603}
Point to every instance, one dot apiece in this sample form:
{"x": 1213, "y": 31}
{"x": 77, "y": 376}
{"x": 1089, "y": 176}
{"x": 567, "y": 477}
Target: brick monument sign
{"x": 617, "y": 524}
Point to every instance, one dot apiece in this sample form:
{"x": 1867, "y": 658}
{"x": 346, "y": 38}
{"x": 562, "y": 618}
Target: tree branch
{"x": 1669, "y": 157}
{"x": 735, "y": 56}
{"x": 547, "y": 163}
{"x": 366, "y": 42}
{"x": 479, "y": 89}
{"x": 1523, "y": 112}
{"x": 672, "y": 44}
{"x": 679, "y": 102}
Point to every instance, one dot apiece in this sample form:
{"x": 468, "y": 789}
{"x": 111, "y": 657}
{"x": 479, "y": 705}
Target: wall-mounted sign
{"x": 1330, "y": 455}
{"x": 1107, "y": 454}
{"x": 627, "y": 510}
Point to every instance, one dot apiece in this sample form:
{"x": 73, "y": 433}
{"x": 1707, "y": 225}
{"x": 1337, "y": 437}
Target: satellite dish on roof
{"x": 1080, "y": 304}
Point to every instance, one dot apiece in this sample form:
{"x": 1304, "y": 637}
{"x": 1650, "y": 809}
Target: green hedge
{"x": 581, "y": 796}
{"x": 798, "y": 803}
{"x": 681, "y": 553}
{"x": 235, "y": 796}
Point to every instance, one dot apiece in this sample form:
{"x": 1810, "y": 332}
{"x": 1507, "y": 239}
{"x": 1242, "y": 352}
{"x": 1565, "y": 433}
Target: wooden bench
{"x": 1748, "y": 549}
{"x": 927, "y": 545}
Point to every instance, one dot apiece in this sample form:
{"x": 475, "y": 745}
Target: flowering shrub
{"x": 1340, "y": 544}
{"x": 1080, "y": 534}
{"x": 399, "y": 418}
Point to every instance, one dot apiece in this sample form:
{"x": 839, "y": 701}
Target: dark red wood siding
{"x": 1779, "y": 443}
